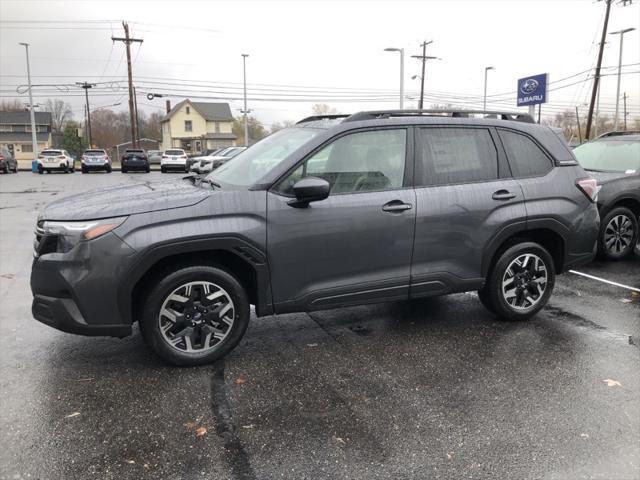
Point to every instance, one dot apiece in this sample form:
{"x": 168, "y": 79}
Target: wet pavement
{"x": 436, "y": 388}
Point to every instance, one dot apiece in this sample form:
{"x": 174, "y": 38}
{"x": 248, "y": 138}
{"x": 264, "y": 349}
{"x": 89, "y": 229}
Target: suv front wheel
{"x": 520, "y": 282}
{"x": 195, "y": 315}
{"x": 618, "y": 234}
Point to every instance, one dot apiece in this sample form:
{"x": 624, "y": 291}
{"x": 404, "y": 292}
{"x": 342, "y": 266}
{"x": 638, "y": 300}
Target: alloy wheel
{"x": 196, "y": 317}
{"x": 618, "y": 234}
{"x": 524, "y": 281}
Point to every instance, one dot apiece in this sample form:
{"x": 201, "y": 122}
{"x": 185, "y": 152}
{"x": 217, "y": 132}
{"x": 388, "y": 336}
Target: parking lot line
{"x": 604, "y": 280}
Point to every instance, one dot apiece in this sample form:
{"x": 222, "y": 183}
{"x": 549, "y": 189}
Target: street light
{"x": 484, "y": 103}
{"x": 621, "y": 33}
{"x": 401, "y": 50}
{"x": 244, "y": 111}
{"x": 34, "y": 139}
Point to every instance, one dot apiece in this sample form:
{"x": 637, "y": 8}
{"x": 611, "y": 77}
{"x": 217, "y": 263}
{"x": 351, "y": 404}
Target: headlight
{"x": 69, "y": 234}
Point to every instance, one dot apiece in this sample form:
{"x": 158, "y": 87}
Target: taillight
{"x": 589, "y": 186}
{"x": 82, "y": 157}
{"x": 61, "y": 157}
{"x": 183, "y": 157}
{"x": 164, "y": 156}
{"x": 40, "y": 156}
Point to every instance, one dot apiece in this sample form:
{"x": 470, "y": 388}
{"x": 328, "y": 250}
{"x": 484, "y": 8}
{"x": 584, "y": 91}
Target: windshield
{"x": 610, "y": 155}
{"x": 252, "y": 164}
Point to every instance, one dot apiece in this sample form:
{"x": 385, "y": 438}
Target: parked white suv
{"x": 175, "y": 159}
{"x": 55, "y": 160}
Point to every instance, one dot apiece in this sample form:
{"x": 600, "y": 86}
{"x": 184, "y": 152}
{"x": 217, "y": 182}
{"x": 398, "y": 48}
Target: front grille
{"x": 44, "y": 243}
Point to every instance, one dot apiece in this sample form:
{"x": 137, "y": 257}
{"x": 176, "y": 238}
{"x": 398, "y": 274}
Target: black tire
{"x": 84, "y": 170}
{"x": 492, "y": 295}
{"x": 618, "y": 234}
{"x": 123, "y": 170}
{"x": 40, "y": 169}
{"x": 108, "y": 169}
{"x": 163, "y": 170}
{"x": 5, "y": 168}
{"x": 148, "y": 170}
{"x": 167, "y": 282}
{"x": 48, "y": 171}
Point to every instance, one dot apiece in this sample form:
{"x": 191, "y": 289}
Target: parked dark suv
{"x": 614, "y": 160}
{"x": 335, "y": 211}
{"x": 135, "y": 159}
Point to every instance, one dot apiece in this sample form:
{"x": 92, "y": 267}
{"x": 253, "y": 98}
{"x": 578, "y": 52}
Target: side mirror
{"x": 309, "y": 189}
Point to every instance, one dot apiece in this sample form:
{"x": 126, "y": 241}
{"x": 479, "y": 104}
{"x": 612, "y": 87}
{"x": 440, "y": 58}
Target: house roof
{"x": 220, "y": 112}
{"x": 22, "y": 137}
{"x": 24, "y": 118}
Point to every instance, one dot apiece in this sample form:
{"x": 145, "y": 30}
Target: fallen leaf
{"x": 240, "y": 380}
{"x": 190, "y": 425}
{"x": 88, "y": 379}
{"x": 146, "y": 465}
{"x": 338, "y": 439}
{"x": 584, "y": 435}
{"x": 312, "y": 344}
{"x": 626, "y": 300}
{"x": 612, "y": 383}
{"x": 74, "y": 414}
{"x": 200, "y": 431}
{"x": 449, "y": 456}
{"x": 129, "y": 461}
{"x": 7, "y": 275}
{"x": 248, "y": 426}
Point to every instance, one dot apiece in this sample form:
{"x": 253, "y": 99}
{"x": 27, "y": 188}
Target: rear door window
{"x": 526, "y": 158}
{"x": 453, "y": 155}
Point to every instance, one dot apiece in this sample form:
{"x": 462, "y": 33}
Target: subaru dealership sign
{"x": 532, "y": 90}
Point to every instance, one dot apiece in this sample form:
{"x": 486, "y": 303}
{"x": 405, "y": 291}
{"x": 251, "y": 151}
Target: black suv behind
{"x": 135, "y": 159}
{"x": 334, "y": 211}
{"x": 614, "y": 160}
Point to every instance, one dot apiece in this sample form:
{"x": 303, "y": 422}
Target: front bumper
{"x": 63, "y": 314}
{"x": 77, "y": 291}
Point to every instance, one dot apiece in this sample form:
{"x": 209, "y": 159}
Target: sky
{"x": 307, "y": 52}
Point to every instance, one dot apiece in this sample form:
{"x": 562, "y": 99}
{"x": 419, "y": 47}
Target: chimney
{"x": 168, "y": 106}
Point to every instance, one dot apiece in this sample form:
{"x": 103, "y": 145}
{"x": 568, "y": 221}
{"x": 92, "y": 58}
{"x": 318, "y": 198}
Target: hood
{"x": 126, "y": 200}
{"x": 606, "y": 177}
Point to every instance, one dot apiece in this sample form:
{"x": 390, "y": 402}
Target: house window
{"x": 26, "y": 148}
{"x": 217, "y": 127}
{"x": 188, "y": 110}
{"x": 188, "y": 126}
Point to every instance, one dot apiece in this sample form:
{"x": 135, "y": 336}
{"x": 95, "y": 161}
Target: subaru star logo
{"x": 529, "y": 86}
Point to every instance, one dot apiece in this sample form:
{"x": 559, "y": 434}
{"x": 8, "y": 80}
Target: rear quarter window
{"x": 525, "y": 157}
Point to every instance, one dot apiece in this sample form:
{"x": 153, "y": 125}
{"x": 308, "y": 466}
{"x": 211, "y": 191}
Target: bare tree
{"x": 60, "y": 114}
{"x": 12, "y": 106}
{"x": 279, "y": 126}
{"x": 322, "y": 109}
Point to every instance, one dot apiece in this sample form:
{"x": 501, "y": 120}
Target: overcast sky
{"x": 322, "y": 52}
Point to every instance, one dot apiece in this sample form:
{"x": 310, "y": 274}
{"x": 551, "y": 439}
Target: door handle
{"x": 503, "y": 195}
{"x": 396, "y": 206}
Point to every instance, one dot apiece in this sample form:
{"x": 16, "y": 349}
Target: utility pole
{"x": 625, "y": 110}
{"x": 578, "y": 122}
{"x": 596, "y": 79}
{"x": 621, "y": 33}
{"x": 424, "y": 59}
{"x": 484, "y": 102}
{"x": 135, "y": 106}
{"x": 34, "y": 139}
{"x": 86, "y": 87}
{"x": 132, "y": 117}
{"x": 245, "y": 111}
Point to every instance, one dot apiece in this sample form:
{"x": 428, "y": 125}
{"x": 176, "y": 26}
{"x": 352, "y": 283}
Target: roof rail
{"x": 328, "y": 116}
{"x": 378, "y": 114}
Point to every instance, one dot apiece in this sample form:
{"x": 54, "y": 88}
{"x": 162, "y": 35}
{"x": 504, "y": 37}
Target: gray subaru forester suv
{"x": 334, "y": 211}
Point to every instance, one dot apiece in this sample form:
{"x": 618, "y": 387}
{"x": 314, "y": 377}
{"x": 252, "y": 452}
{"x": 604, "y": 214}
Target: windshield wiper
{"x": 198, "y": 180}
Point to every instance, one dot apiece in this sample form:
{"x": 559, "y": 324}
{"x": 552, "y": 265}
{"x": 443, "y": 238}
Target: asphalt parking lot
{"x": 436, "y": 388}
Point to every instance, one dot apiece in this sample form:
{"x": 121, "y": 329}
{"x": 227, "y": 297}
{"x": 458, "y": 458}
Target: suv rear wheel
{"x": 195, "y": 315}
{"x": 520, "y": 282}
{"x": 618, "y": 234}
